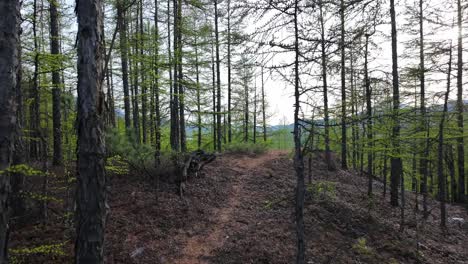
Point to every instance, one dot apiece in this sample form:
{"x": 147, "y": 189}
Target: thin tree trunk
{"x": 344, "y": 163}
{"x": 34, "y": 107}
{"x": 121, "y": 20}
{"x": 176, "y": 97}
{"x": 144, "y": 100}
{"x": 396, "y": 164}
{"x": 182, "y": 136}
{"x": 370, "y": 144}
{"x": 424, "y": 124}
{"x": 440, "y": 163}
{"x": 157, "y": 154}
{"x": 91, "y": 178}
{"x": 460, "y": 105}
{"x": 298, "y": 158}
{"x": 213, "y": 74}
{"x": 325, "y": 90}
{"x": 229, "y": 121}
{"x": 255, "y": 114}
{"x": 218, "y": 80}
{"x": 199, "y": 121}
{"x": 56, "y": 91}
{"x": 263, "y": 110}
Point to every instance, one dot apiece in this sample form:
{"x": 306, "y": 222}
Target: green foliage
{"x": 24, "y": 170}
{"x": 126, "y": 146}
{"x": 246, "y": 148}
{"x": 116, "y": 165}
{"x": 322, "y": 189}
{"x": 17, "y": 256}
{"x": 361, "y": 247}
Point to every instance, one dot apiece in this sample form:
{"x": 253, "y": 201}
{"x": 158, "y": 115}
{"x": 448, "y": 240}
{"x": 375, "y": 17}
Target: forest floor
{"x": 241, "y": 210}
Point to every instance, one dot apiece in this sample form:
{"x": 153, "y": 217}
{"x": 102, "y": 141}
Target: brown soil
{"x": 241, "y": 210}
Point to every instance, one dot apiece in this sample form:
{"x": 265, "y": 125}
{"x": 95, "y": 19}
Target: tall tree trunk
{"x": 424, "y": 123}
{"x": 460, "y": 105}
{"x": 143, "y": 73}
{"x": 213, "y": 74}
{"x": 175, "y": 105}
{"x": 199, "y": 121}
{"x": 91, "y": 178}
{"x": 370, "y": 144}
{"x": 325, "y": 89}
{"x": 344, "y": 163}
{"x": 246, "y": 106}
{"x": 35, "y": 97}
{"x": 157, "y": 154}
{"x": 440, "y": 147}
{"x": 298, "y": 157}
{"x": 182, "y": 136}
{"x": 218, "y": 81}
{"x": 56, "y": 82}
{"x": 353, "y": 115}
{"x": 229, "y": 124}
{"x": 122, "y": 23}
{"x": 396, "y": 164}
{"x": 9, "y": 70}
{"x": 263, "y": 110}
{"x": 171, "y": 81}
{"x": 134, "y": 73}
{"x": 255, "y": 114}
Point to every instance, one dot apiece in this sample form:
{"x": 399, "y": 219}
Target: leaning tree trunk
{"x": 91, "y": 179}
{"x": 9, "y": 56}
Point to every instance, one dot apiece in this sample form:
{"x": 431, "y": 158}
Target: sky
{"x": 279, "y": 94}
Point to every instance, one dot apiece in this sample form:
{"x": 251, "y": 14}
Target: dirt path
{"x": 200, "y": 247}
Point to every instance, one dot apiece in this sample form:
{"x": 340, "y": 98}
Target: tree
{"x": 396, "y": 165}
{"x": 218, "y": 81}
{"x": 56, "y": 91}
{"x": 9, "y": 71}
{"x": 460, "y": 105}
{"x": 344, "y": 163}
{"x": 122, "y": 25}
{"x": 298, "y": 156}
{"x": 440, "y": 147}
{"x": 91, "y": 178}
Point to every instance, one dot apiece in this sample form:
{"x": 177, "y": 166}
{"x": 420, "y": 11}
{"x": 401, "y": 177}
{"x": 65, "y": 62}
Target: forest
{"x": 243, "y": 131}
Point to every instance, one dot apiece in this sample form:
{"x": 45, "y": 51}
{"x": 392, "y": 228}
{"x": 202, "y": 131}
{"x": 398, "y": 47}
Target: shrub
{"x": 246, "y": 148}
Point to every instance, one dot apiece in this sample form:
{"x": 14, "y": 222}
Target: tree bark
{"x": 218, "y": 81}
{"x": 9, "y": 70}
{"x": 325, "y": 89}
{"x": 396, "y": 164}
{"x": 440, "y": 147}
{"x": 344, "y": 163}
{"x": 91, "y": 178}
{"x": 121, "y": 20}
{"x": 370, "y": 144}
{"x": 298, "y": 156}
{"x": 229, "y": 121}
{"x": 460, "y": 105}
{"x": 57, "y": 84}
